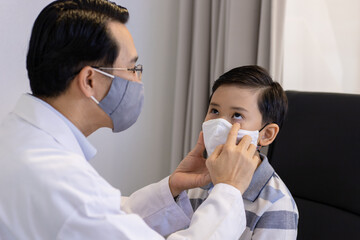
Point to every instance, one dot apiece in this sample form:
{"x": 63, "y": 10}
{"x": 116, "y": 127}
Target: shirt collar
{"x": 261, "y": 176}
{"x": 88, "y": 150}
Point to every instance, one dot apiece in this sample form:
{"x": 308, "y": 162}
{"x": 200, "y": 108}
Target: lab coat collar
{"x": 261, "y": 176}
{"x": 33, "y": 111}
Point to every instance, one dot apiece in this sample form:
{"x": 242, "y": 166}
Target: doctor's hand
{"x": 192, "y": 171}
{"x": 232, "y": 163}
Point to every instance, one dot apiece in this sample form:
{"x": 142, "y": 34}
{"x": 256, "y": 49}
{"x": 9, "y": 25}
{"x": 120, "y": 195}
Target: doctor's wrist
{"x": 174, "y": 191}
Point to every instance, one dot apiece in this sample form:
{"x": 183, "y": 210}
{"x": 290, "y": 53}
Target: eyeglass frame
{"x": 137, "y": 68}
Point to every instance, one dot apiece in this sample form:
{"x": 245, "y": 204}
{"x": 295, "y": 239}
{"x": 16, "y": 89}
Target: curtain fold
{"x": 263, "y": 54}
{"x": 182, "y": 80}
{"x": 199, "y": 73}
{"x": 214, "y": 37}
{"x": 276, "y": 62}
{"x": 217, "y": 50}
{"x": 270, "y": 53}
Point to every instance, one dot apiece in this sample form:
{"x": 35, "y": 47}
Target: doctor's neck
{"x": 80, "y": 111}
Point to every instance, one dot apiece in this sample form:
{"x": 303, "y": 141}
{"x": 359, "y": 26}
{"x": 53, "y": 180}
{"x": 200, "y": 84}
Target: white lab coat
{"x": 49, "y": 191}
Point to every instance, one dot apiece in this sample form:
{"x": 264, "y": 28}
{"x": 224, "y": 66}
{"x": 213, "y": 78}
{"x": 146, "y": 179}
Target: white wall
{"x": 322, "y": 46}
{"x": 140, "y": 155}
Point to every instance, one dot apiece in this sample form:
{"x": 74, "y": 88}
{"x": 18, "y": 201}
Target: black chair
{"x": 317, "y": 155}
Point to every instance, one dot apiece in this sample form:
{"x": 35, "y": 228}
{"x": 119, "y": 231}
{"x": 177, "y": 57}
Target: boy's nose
{"x": 227, "y": 119}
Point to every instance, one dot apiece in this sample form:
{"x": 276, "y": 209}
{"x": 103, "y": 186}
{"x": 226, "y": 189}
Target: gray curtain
{"x": 214, "y": 37}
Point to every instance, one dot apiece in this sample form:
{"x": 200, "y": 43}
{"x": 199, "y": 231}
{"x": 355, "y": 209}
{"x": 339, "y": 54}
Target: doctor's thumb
{"x": 200, "y": 146}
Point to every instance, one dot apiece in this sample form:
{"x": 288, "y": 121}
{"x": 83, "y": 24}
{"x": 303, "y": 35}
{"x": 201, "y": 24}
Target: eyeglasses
{"x": 138, "y": 69}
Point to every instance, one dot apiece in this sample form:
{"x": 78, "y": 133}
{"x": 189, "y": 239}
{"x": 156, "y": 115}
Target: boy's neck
{"x": 257, "y": 153}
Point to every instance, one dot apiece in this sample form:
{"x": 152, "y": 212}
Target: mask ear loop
{"x": 94, "y": 99}
{"x": 104, "y": 73}
{"x": 258, "y": 148}
{"x": 263, "y": 127}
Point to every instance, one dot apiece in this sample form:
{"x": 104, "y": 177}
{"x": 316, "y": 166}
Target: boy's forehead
{"x": 232, "y": 96}
{"x": 236, "y": 92}
{"x": 228, "y": 99}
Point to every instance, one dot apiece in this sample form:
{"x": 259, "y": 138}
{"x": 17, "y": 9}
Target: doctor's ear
{"x": 86, "y": 81}
{"x": 268, "y": 134}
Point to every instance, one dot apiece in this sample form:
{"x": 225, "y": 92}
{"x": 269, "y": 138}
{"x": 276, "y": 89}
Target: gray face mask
{"x": 123, "y": 103}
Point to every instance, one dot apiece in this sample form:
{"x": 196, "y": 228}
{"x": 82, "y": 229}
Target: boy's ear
{"x": 268, "y": 134}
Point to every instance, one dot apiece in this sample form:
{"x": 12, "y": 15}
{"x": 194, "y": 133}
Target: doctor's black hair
{"x": 67, "y": 36}
{"x": 272, "y": 102}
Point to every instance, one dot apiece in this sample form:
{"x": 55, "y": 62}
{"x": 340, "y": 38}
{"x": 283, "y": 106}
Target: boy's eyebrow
{"x": 239, "y": 109}
{"x": 234, "y": 108}
{"x": 214, "y": 104}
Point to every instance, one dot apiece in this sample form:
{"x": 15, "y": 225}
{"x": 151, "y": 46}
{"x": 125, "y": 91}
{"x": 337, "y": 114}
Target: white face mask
{"x": 216, "y": 132}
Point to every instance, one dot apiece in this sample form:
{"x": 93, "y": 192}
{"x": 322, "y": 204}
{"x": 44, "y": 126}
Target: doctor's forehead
{"x": 127, "y": 52}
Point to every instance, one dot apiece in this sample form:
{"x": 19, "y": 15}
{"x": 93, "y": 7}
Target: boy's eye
{"x": 237, "y": 116}
{"x": 214, "y": 111}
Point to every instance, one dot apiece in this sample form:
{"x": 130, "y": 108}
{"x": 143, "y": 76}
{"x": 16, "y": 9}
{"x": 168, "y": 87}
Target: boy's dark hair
{"x": 272, "y": 102}
{"x": 67, "y": 36}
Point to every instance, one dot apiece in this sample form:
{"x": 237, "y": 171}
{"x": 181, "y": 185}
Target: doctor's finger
{"x": 245, "y": 142}
{"x": 215, "y": 154}
{"x": 212, "y": 162}
{"x": 200, "y": 146}
{"x": 217, "y": 151}
{"x": 231, "y": 139}
{"x": 252, "y": 149}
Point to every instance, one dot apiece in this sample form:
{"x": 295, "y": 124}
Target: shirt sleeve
{"x": 279, "y": 221}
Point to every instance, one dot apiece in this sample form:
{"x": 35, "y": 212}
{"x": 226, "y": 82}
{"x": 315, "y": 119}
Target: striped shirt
{"x": 271, "y": 211}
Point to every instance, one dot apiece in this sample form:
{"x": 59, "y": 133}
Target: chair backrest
{"x": 317, "y": 155}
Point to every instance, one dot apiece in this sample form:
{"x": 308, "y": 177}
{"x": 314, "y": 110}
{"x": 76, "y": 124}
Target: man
{"x": 83, "y": 75}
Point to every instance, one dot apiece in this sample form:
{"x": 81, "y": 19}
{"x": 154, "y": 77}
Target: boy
{"x": 249, "y": 96}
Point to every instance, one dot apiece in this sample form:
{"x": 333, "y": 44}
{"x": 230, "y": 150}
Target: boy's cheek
{"x": 208, "y": 117}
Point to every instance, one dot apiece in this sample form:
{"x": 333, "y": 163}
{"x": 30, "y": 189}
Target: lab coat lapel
{"x": 37, "y": 114}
